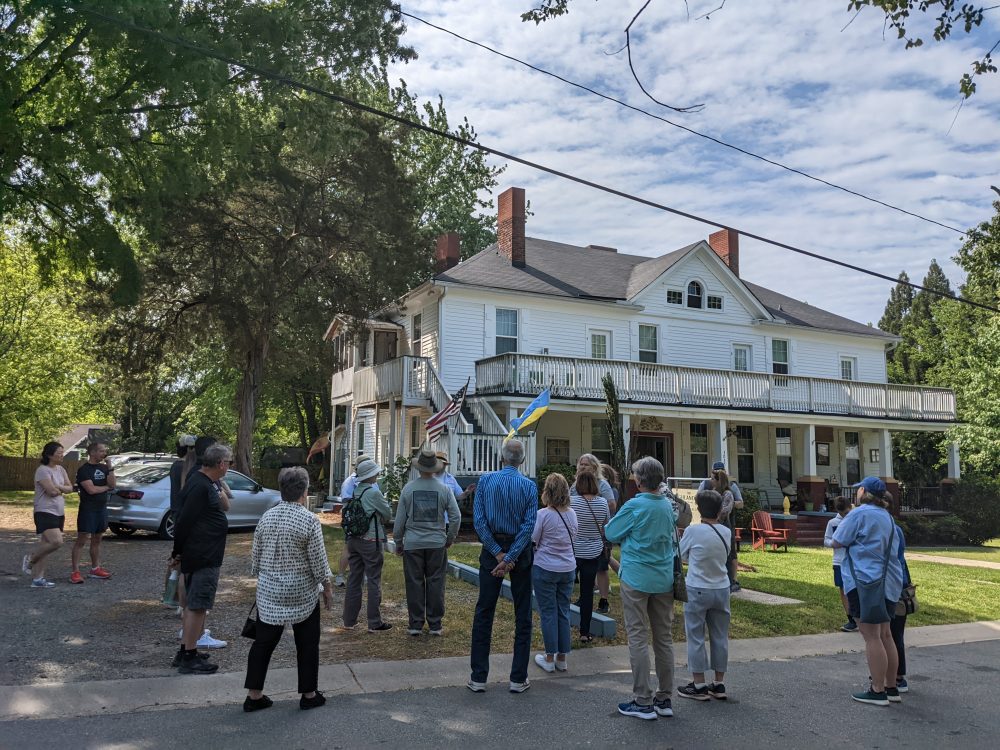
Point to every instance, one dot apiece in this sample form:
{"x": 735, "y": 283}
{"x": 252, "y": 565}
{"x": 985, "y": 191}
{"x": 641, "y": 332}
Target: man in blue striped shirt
{"x": 504, "y": 514}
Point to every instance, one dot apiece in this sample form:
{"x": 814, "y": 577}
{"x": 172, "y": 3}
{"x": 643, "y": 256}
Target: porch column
{"x": 720, "y": 446}
{"x": 333, "y": 451}
{"x": 885, "y": 469}
{"x": 375, "y": 438}
{"x": 627, "y": 438}
{"x": 351, "y": 440}
{"x": 393, "y": 426}
{"x": 811, "y": 488}
{"x": 404, "y": 429}
{"x": 954, "y": 470}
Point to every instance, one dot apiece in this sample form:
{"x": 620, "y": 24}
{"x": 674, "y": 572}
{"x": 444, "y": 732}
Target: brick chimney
{"x": 448, "y": 253}
{"x": 510, "y": 226}
{"x": 726, "y": 244}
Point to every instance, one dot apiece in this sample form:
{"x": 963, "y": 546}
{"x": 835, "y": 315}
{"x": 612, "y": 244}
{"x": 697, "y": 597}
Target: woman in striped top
{"x": 592, "y": 513}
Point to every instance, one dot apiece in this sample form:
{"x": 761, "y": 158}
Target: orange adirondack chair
{"x": 763, "y": 533}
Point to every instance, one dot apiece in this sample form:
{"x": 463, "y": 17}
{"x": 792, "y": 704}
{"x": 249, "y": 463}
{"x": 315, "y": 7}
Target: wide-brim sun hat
{"x": 367, "y": 469}
{"x": 443, "y": 456}
{"x": 427, "y": 461}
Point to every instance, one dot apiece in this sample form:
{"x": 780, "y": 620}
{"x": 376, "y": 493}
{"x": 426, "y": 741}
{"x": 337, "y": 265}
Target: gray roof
{"x": 561, "y": 270}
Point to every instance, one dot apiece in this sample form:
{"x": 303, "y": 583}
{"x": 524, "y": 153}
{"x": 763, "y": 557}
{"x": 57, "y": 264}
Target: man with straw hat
{"x": 427, "y": 522}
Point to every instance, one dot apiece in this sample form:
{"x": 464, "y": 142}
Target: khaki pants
{"x": 647, "y": 614}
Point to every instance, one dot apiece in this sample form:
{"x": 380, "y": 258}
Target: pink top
{"x": 44, "y": 502}
{"x": 554, "y": 540}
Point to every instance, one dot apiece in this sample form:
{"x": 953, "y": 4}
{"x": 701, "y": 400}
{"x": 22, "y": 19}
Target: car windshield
{"x": 143, "y": 473}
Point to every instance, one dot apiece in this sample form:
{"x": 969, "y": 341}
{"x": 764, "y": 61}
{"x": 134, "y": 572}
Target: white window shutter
{"x": 633, "y": 341}
{"x": 490, "y": 331}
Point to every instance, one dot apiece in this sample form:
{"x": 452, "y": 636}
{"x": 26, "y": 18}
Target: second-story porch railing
{"x": 641, "y": 382}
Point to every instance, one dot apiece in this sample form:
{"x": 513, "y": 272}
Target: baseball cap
{"x": 719, "y": 466}
{"x": 874, "y": 485}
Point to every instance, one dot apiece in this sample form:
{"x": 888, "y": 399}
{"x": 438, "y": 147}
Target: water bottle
{"x": 170, "y": 589}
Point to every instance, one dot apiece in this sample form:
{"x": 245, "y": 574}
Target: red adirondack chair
{"x": 763, "y": 533}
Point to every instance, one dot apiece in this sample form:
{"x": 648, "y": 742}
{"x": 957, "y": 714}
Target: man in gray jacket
{"x": 427, "y": 523}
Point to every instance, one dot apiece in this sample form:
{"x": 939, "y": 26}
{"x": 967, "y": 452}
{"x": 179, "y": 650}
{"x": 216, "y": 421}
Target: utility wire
{"x": 690, "y": 130}
{"x": 294, "y": 83}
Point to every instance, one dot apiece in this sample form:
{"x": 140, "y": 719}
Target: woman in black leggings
{"x": 592, "y": 513}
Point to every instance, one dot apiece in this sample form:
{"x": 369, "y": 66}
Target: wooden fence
{"x": 19, "y": 473}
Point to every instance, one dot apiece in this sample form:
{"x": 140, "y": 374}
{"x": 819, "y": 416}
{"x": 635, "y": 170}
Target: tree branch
{"x": 51, "y": 73}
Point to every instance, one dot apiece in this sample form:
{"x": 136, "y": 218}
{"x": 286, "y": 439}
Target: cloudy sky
{"x": 784, "y": 79}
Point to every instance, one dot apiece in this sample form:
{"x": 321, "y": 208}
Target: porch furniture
{"x": 763, "y": 533}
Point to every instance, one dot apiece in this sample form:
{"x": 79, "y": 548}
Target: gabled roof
{"x": 561, "y": 270}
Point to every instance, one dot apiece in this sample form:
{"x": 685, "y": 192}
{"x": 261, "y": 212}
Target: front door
{"x": 658, "y": 445}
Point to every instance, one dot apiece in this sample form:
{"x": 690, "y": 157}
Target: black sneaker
{"x": 382, "y": 626}
{"x": 892, "y": 693}
{"x": 717, "y": 690}
{"x": 197, "y": 665}
{"x": 180, "y": 655}
{"x": 315, "y": 702}
{"x": 694, "y": 693}
{"x": 872, "y": 698}
{"x": 631, "y": 708}
{"x": 603, "y": 607}
{"x": 849, "y": 627}
{"x": 663, "y": 708}
{"x": 257, "y": 704}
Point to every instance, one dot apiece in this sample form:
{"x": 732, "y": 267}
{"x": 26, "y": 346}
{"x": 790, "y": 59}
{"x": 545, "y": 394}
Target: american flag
{"x": 436, "y": 424}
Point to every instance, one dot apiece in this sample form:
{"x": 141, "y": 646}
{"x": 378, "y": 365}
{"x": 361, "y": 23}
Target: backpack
{"x": 353, "y": 517}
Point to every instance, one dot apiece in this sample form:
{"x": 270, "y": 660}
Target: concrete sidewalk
{"x": 945, "y": 560}
{"x": 78, "y": 699}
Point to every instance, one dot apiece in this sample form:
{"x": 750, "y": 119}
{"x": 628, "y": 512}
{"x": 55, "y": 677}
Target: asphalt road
{"x": 803, "y": 703}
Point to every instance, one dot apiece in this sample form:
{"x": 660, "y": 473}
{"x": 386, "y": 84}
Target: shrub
{"x": 943, "y": 530}
{"x": 567, "y": 470}
{"x": 743, "y": 516}
{"x": 977, "y": 502}
{"x": 395, "y": 477}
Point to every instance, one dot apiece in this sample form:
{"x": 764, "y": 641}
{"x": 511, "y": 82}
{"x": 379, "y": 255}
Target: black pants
{"x": 588, "y": 574}
{"x": 897, "y": 625}
{"x": 482, "y": 623}
{"x": 306, "y": 652}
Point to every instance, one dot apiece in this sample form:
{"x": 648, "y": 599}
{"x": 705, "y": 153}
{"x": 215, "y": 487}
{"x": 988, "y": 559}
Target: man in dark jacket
{"x": 200, "y": 543}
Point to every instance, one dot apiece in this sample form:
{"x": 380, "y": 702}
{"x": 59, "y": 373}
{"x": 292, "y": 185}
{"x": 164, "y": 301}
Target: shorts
{"x": 46, "y": 521}
{"x": 200, "y": 587}
{"x": 854, "y": 606}
{"x": 92, "y": 520}
{"x": 838, "y": 579}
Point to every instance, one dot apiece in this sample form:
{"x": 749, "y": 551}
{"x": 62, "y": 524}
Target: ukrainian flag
{"x": 532, "y": 414}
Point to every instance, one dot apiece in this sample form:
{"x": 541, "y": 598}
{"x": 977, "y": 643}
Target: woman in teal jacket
{"x": 645, "y": 527}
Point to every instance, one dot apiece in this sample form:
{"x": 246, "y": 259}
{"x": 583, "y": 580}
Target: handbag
{"x": 606, "y": 552}
{"x": 907, "y": 603}
{"x": 250, "y": 626}
{"x": 680, "y": 585}
{"x": 871, "y": 596}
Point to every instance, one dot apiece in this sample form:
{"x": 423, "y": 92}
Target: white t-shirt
{"x": 706, "y": 555}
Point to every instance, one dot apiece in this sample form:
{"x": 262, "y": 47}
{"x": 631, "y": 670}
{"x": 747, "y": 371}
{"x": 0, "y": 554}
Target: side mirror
{"x": 258, "y": 487}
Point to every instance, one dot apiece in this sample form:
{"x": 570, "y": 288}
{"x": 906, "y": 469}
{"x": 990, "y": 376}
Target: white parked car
{"x": 141, "y": 500}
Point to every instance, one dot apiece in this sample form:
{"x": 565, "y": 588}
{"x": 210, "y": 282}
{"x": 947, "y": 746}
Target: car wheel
{"x": 119, "y": 530}
{"x": 166, "y": 530}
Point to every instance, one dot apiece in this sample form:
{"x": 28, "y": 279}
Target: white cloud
{"x": 780, "y": 79}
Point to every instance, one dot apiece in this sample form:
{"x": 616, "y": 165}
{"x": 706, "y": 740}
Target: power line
{"x": 294, "y": 83}
{"x": 690, "y": 130}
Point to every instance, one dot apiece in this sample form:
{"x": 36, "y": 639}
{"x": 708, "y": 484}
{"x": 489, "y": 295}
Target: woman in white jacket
{"x": 842, "y": 506}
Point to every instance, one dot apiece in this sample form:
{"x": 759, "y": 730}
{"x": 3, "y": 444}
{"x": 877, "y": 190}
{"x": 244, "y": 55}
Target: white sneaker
{"x": 207, "y": 641}
{"x": 519, "y": 687}
{"x": 561, "y": 666}
{"x": 339, "y": 582}
{"x": 180, "y": 634}
{"x": 438, "y": 633}
{"x": 414, "y": 632}
{"x": 548, "y": 666}
{"x": 41, "y": 583}
{"x": 476, "y": 687}
{"x": 26, "y": 565}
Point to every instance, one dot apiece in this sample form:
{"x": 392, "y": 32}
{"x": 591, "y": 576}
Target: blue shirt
{"x": 865, "y": 531}
{"x": 506, "y": 503}
{"x": 449, "y": 481}
{"x": 347, "y": 488}
{"x": 645, "y": 528}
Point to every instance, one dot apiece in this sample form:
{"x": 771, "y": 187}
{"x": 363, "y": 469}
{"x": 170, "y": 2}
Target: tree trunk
{"x": 247, "y": 396}
{"x": 309, "y": 401}
{"x": 303, "y": 439}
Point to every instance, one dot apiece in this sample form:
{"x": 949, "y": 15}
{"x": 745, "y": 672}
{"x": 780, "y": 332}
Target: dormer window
{"x": 694, "y": 295}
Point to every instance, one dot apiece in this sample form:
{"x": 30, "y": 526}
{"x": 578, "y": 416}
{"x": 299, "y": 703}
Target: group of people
{"x": 543, "y": 552}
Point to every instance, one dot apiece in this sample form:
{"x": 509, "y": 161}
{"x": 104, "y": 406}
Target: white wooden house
{"x": 708, "y": 365}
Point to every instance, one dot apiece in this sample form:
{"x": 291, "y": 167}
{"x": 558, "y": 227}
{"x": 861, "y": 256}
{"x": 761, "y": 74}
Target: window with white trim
{"x": 848, "y": 368}
{"x": 416, "y": 334}
{"x": 506, "y": 331}
{"x": 779, "y": 360}
{"x": 744, "y": 453}
{"x": 414, "y": 433}
{"x": 600, "y": 440}
{"x": 556, "y": 450}
{"x": 675, "y": 297}
{"x": 360, "y": 427}
{"x": 649, "y": 343}
{"x": 699, "y": 450}
{"x": 714, "y": 302}
{"x": 600, "y": 344}
{"x": 741, "y": 357}
{"x": 695, "y": 293}
{"x": 783, "y": 449}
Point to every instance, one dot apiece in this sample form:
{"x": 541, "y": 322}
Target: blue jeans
{"x": 552, "y": 595}
{"x": 482, "y": 622}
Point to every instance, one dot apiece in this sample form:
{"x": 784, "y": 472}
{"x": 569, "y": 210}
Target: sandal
{"x": 586, "y": 638}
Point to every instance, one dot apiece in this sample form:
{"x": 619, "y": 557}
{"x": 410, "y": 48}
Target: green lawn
{"x": 25, "y": 499}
